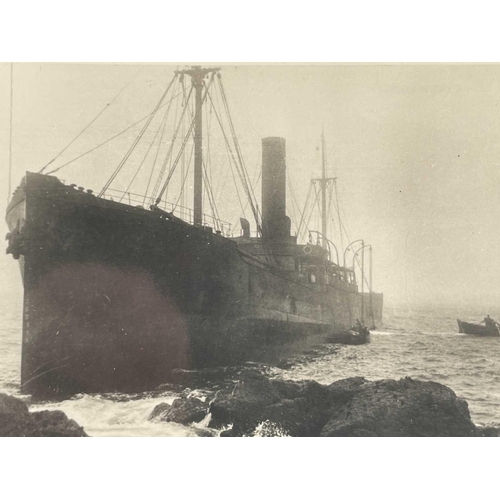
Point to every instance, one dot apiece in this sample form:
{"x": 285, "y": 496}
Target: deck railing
{"x": 184, "y": 213}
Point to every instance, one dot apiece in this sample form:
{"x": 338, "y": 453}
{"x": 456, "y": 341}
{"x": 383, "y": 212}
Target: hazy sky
{"x": 414, "y": 147}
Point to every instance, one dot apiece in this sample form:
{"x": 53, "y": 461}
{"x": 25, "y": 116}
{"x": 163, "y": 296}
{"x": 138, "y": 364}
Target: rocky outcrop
{"x": 350, "y": 407}
{"x": 159, "y": 411}
{"x": 56, "y": 424}
{"x": 403, "y": 407}
{"x": 182, "y": 411}
{"x": 300, "y": 408}
{"x": 17, "y": 421}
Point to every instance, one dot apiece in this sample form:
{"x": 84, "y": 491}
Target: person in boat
{"x": 489, "y": 322}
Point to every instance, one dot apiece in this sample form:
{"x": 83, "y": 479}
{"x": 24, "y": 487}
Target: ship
{"x": 120, "y": 292}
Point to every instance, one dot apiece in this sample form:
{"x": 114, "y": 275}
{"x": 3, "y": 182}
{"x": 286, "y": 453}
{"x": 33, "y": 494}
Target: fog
{"x": 414, "y": 148}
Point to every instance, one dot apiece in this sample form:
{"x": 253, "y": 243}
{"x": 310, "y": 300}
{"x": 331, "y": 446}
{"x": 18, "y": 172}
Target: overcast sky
{"x": 414, "y": 147}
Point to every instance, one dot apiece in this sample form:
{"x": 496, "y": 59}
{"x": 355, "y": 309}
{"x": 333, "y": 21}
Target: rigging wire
{"x": 173, "y": 134}
{"x": 110, "y": 139}
{"x": 10, "y": 130}
{"x": 240, "y": 173}
{"x": 305, "y": 209}
{"x": 179, "y": 155}
{"x": 184, "y": 181}
{"x": 210, "y": 196}
{"x": 295, "y": 205}
{"x": 167, "y": 158}
{"x": 163, "y": 126}
{"x": 231, "y": 156}
{"x": 138, "y": 138}
{"x": 244, "y": 177}
{"x": 95, "y": 118}
{"x": 146, "y": 155}
{"x": 316, "y": 201}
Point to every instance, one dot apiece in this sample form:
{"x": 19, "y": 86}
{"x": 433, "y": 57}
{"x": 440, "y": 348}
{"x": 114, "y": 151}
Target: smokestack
{"x": 276, "y": 225}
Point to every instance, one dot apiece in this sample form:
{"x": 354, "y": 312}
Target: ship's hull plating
{"x": 116, "y": 297}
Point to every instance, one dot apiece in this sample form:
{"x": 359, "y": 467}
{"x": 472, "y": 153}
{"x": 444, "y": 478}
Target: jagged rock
{"x": 342, "y": 391}
{"x": 15, "y": 419}
{"x": 350, "y": 407}
{"x": 299, "y": 408}
{"x": 159, "y": 411}
{"x": 182, "y": 411}
{"x": 401, "y": 408}
{"x": 57, "y": 424}
{"x": 204, "y": 432}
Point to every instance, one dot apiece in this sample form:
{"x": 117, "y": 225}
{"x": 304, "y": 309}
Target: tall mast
{"x": 197, "y": 74}
{"x": 323, "y": 182}
{"x": 324, "y": 225}
{"x": 197, "y": 78}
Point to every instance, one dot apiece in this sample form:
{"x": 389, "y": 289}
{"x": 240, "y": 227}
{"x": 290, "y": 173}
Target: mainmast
{"x": 197, "y": 74}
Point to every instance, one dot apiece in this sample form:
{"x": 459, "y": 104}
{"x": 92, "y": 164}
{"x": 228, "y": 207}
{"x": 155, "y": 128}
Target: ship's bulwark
{"x": 116, "y": 297}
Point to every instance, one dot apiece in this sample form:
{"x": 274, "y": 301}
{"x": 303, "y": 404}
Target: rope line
{"x": 137, "y": 139}
{"x": 10, "y": 130}
{"x": 95, "y": 118}
{"x": 108, "y": 140}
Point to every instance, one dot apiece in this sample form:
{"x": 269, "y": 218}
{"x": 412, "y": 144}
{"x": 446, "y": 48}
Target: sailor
{"x": 489, "y": 323}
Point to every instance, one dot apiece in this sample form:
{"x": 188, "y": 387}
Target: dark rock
{"x": 401, "y": 408}
{"x": 159, "y": 411}
{"x": 299, "y": 408}
{"x": 204, "y": 432}
{"x": 342, "y": 391}
{"x": 182, "y": 411}
{"x": 350, "y": 407}
{"x": 15, "y": 419}
{"x": 57, "y": 424}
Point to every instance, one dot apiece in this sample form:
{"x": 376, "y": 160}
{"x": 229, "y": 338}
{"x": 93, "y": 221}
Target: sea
{"x": 422, "y": 343}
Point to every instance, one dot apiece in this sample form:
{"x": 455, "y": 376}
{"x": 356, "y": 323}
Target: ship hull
{"x": 117, "y": 297}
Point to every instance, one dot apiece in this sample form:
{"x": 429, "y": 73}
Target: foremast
{"x": 198, "y": 74}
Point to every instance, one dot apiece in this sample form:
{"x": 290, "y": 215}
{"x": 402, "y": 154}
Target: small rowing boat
{"x": 490, "y": 330}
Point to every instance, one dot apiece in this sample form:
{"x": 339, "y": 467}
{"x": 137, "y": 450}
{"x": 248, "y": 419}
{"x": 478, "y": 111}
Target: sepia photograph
{"x": 250, "y": 250}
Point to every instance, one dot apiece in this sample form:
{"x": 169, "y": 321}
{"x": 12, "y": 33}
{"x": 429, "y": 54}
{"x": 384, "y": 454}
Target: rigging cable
{"x": 240, "y": 173}
{"x": 163, "y": 125}
{"x": 220, "y": 190}
{"x": 95, "y": 118}
{"x": 10, "y": 130}
{"x": 246, "y": 184}
{"x": 138, "y": 138}
{"x": 316, "y": 201}
{"x": 305, "y": 210}
{"x": 173, "y": 135}
{"x": 110, "y": 139}
{"x": 231, "y": 156}
{"x": 146, "y": 155}
{"x": 181, "y": 151}
{"x": 184, "y": 179}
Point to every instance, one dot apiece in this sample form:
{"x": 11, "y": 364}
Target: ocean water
{"x": 419, "y": 343}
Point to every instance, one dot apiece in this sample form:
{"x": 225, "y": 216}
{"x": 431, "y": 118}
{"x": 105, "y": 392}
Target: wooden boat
{"x": 354, "y": 336}
{"x": 480, "y": 330}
